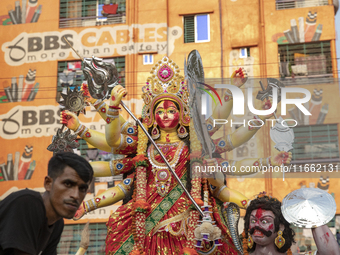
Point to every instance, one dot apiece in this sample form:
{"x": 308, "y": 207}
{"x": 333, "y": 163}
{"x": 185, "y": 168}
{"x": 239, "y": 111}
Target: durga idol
{"x": 158, "y": 218}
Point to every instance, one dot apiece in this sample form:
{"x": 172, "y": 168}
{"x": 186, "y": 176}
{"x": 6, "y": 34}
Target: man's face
{"x": 167, "y": 115}
{"x": 262, "y": 226}
{"x": 67, "y": 192}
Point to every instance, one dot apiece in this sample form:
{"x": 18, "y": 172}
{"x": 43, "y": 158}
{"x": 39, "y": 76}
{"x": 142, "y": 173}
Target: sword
{"x": 194, "y": 74}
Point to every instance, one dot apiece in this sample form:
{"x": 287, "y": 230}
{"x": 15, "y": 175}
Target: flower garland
{"x": 196, "y": 186}
{"x": 244, "y": 243}
{"x": 133, "y": 229}
{"x": 140, "y": 205}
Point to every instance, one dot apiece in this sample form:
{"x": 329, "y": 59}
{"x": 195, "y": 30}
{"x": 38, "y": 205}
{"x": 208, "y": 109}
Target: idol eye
{"x": 172, "y": 111}
{"x": 252, "y": 221}
{"x": 264, "y": 221}
{"x": 160, "y": 112}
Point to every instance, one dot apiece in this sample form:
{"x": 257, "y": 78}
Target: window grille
{"x": 292, "y": 4}
{"x": 316, "y": 143}
{"x": 70, "y": 74}
{"x": 305, "y": 59}
{"x": 197, "y": 28}
{"x": 71, "y": 236}
{"x": 189, "y": 29}
{"x": 82, "y": 13}
{"x": 83, "y": 147}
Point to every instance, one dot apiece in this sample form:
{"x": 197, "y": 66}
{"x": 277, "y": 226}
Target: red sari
{"x": 163, "y": 236}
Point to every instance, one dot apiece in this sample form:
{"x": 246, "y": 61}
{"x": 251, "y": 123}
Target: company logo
{"x": 37, "y": 121}
{"x": 44, "y": 120}
{"x": 238, "y": 102}
{"x": 104, "y": 42}
{"x": 208, "y": 92}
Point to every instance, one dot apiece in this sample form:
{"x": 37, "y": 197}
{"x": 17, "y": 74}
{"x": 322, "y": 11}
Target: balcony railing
{"x": 309, "y": 70}
{"x": 291, "y": 4}
{"x": 306, "y": 63}
{"x": 309, "y": 65}
{"x": 307, "y": 80}
{"x": 92, "y": 21}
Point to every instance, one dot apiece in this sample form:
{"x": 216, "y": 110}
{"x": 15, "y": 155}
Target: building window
{"x": 147, "y": 59}
{"x": 82, "y": 13}
{"x": 291, "y": 4}
{"x": 70, "y": 74}
{"x": 100, "y": 12}
{"x": 70, "y": 239}
{"x": 305, "y": 59}
{"x": 244, "y": 52}
{"x": 197, "y": 28}
{"x": 316, "y": 144}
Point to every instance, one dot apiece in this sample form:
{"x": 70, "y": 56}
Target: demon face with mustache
{"x": 263, "y": 220}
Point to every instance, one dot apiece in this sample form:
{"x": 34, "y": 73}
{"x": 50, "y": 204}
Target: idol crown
{"x": 165, "y": 83}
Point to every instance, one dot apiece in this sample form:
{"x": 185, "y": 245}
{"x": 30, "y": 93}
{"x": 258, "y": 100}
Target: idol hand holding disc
{"x": 308, "y": 207}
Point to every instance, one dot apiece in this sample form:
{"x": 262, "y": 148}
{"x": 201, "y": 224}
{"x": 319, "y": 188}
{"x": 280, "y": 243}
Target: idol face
{"x": 167, "y": 115}
{"x": 262, "y": 227}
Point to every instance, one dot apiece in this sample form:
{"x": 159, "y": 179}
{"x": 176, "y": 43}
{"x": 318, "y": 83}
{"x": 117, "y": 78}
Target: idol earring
{"x": 155, "y": 132}
{"x": 279, "y": 240}
{"x": 250, "y": 241}
{"x": 182, "y": 132}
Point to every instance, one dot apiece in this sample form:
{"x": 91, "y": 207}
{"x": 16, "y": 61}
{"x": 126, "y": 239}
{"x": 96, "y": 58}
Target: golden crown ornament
{"x": 165, "y": 83}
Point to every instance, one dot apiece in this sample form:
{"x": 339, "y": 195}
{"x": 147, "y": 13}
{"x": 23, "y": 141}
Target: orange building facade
{"x": 292, "y": 41}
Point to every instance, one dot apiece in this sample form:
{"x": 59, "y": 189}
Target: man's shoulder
{"x": 25, "y": 192}
{"x": 23, "y": 197}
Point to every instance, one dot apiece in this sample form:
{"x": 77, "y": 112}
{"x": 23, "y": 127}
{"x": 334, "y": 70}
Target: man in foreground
{"x": 31, "y": 223}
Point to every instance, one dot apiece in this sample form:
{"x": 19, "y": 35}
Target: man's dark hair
{"x": 59, "y": 161}
{"x": 274, "y": 205}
